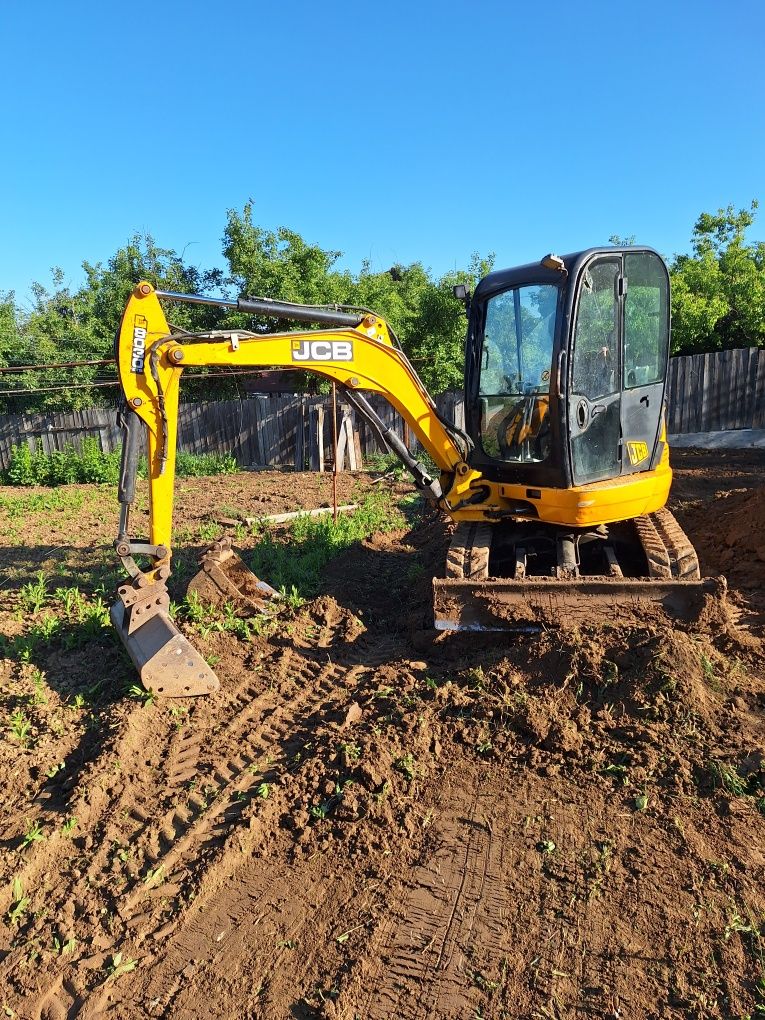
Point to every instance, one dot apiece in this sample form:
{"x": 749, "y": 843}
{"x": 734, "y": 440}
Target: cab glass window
{"x": 646, "y": 325}
{"x": 515, "y": 373}
{"x": 596, "y": 343}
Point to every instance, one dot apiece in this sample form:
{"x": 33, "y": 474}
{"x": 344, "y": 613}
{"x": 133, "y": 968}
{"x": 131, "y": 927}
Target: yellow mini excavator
{"x": 557, "y": 483}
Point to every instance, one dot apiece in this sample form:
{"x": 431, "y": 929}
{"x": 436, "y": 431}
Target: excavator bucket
{"x": 225, "y": 579}
{"x": 167, "y": 662}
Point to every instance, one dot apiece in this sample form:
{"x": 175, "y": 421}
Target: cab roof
{"x": 535, "y": 272}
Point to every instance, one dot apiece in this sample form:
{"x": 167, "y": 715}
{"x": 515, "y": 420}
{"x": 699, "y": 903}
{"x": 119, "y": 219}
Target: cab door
{"x": 594, "y": 396}
{"x": 646, "y": 343}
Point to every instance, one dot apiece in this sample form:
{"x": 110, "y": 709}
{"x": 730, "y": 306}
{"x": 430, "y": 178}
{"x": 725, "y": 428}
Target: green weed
{"x": 20, "y": 727}
{"x": 119, "y": 965}
{"x": 209, "y": 531}
{"x": 295, "y": 561}
{"x": 292, "y": 599}
{"x": 727, "y": 777}
{"x": 33, "y": 834}
{"x": 141, "y": 694}
{"x": 90, "y": 464}
{"x": 38, "y": 503}
{"x": 19, "y": 903}
{"x": 33, "y": 595}
{"x": 351, "y": 753}
{"x": 407, "y": 766}
{"x": 196, "y": 465}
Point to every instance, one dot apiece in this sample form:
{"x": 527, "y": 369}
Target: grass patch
{"x": 294, "y": 560}
{"x": 91, "y": 464}
{"x": 40, "y": 502}
{"x": 739, "y": 782}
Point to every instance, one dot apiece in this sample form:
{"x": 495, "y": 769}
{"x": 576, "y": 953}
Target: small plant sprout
{"x": 119, "y": 965}
{"x": 64, "y": 948}
{"x": 38, "y": 682}
{"x": 407, "y": 766}
{"x": 19, "y": 903}
{"x": 546, "y": 846}
{"x": 141, "y": 694}
{"x": 263, "y": 790}
{"x": 351, "y": 752}
{"x": 34, "y": 594}
{"x": 483, "y": 744}
{"x": 320, "y": 811}
{"x": 291, "y": 597}
{"x": 55, "y": 769}
{"x": 154, "y": 876}
{"x": 33, "y": 834}
{"x": 617, "y": 771}
{"x": 641, "y": 801}
{"x": 728, "y": 778}
{"x": 69, "y": 825}
{"x": 20, "y": 727}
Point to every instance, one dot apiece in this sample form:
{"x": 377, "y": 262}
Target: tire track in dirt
{"x": 195, "y": 845}
{"x": 451, "y": 926}
{"x": 84, "y": 796}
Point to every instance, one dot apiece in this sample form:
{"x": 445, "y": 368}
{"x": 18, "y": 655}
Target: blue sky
{"x": 394, "y": 132}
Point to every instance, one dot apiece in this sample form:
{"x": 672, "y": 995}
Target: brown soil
{"x": 368, "y": 821}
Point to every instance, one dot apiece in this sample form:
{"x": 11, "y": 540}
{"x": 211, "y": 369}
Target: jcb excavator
{"x": 557, "y": 484}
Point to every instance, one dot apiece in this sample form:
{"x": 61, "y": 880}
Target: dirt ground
{"x": 368, "y": 821}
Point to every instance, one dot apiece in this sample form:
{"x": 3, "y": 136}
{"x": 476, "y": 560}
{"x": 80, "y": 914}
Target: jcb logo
{"x": 322, "y": 350}
{"x": 138, "y": 354}
{"x": 637, "y": 452}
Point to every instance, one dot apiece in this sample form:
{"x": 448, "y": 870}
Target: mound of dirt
{"x": 730, "y": 537}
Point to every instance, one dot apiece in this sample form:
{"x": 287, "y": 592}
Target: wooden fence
{"x": 713, "y": 392}
{"x": 705, "y": 392}
{"x": 264, "y": 430}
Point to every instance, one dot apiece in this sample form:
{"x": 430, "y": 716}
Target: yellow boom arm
{"x": 151, "y": 361}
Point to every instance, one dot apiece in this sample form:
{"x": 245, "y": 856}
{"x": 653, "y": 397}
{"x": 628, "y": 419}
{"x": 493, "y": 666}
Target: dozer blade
{"x": 224, "y": 578}
{"x": 534, "y": 603}
{"x": 167, "y": 662}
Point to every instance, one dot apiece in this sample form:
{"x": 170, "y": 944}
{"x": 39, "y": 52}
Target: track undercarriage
{"x": 526, "y": 575}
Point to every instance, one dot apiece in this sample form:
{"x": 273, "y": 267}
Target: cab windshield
{"x": 514, "y": 386}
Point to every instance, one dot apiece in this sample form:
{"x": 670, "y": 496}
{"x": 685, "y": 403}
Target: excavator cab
{"x": 565, "y": 368}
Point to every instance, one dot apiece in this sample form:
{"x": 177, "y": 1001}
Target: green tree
{"x": 65, "y": 325}
{"x": 718, "y": 291}
{"x": 279, "y": 264}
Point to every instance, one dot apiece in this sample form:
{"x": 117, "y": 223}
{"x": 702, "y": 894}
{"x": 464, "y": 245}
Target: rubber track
{"x": 668, "y": 549}
{"x": 682, "y": 555}
{"x": 468, "y": 555}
